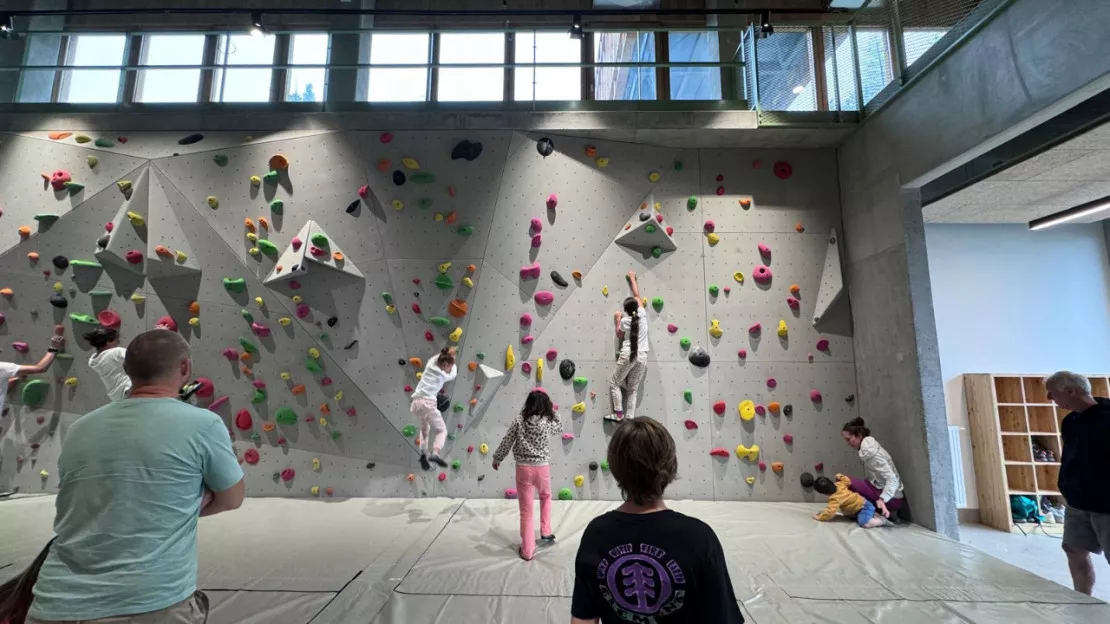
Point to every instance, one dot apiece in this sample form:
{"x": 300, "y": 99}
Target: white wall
{"x": 1008, "y": 300}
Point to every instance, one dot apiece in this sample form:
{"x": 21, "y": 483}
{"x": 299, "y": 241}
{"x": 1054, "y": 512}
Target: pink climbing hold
{"x": 470, "y": 449}
{"x": 442, "y": 476}
{"x": 536, "y": 225}
{"x": 819, "y": 466}
{"x": 351, "y": 411}
{"x": 205, "y": 387}
{"x": 386, "y": 137}
{"x": 719, "y": 452}
{"x": 526, "y": 368}
{"x": 544, "y": 297}
{"x": 109, "y": 226}
{"x": 755, "y": 328}
{"x": 134, "y": 256}
{"x": 537, "y": 240}
{"x": 296, "y": 243}
{"x": 529, "y": 339}
{"x": 727, "y": 290}
{"x": 415, "y": 308}
{"x": 302, "y": 310}
{"x": 294, "y": 284}
{"x": 759, "y": 409}
{"x": 764, "y": 250}
{"x": 815, "y": 396}
{"x": 789, "y": 439}
{"x": 21, "y": 347}
{"x": 231, "y": 354}
{"x": 771, "y": 383}
{"x": 281, "y": 441}
{"x": 260, "y": 330}
{"x": 326, "y": 381}
{"x": 258, "y": 383}
{"x": 416, "y": 280}
{"x": 763, "y": 466}
{"x": 429, "y": 337}
{"x": 658, "y": 218}
{"x": 823, "y": 344}
{"x": 672, "y": 328}
{"x": 58, "y": 179}
{"x": 510, "y": 493}
{"x": 316, "y": 251}
{"x": 243, "y": 419}
{"x": 761, "y": 274}
{"x": 720, "y": 190}
{"x": 792, "y": 303}
{"x": 552, "y": 201}
{"x": 532, "y": 271}
{"x": 525, "y": 319}
{"x": 251, "y": 456}
{"x": 670, "y": 230}
{"x": 408, "y": 388}
{"x": 719, "y": 407}
{"x": 364, "y": 190}
{"x": 709, "y": 225}
{"x": 568, "y": 436}
{"x": 742, "y": 354}
{"x": 218, "y": 403}
{"x": 288, "y": 474}
{"x": 551, "y": 355}
{"x": 691, "y": 425}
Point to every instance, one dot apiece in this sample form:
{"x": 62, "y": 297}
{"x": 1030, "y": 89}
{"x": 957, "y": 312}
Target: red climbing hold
{"x": 525, "y": 319}
{"x": 763, "y": 466}
{"x": 819, "y": 466}
{"x": 823, "y": 344}
{"x": 231, "y": 354}
{"x": 551, "y": 355}
{"x": 428, "y": 336}
{"x": 659, "y": 218}
{"x": 815, "y": 396}
{"x": 759, "y": 409}
{"x": 789, "y": 439}
{"x": 529, "y": 339}
{"x": 783, "y": 170}
{"x": 243, "y": 419}
{"x": 258, "y": 383}
{"x": 386, "y": 137}
{"x": 552, "y": 201}
{"x": 720, "y": 177}
{"x": 251, "y": 456}
{"x": 351, "y": 411}
{"x": 294, "y": 284}
{"x": 537, "y": 240}
{"x": 719, "y": 407}
{"x": 302, "y": 310}
{"x": 364, "y": 190}
{"x": 719, "y": 452}
{"x": 792, "y": 303}
{"x": 416, "y": 308}
{"x": 218, "y": 403}
{"x": 720, "y": 190}
{"x": 442, "y": 476}
{"x": 134, "y": 256}
{"x": 709, "y": 225}
{"x": 742, "y": 354}
{"x": 670, "y": 230}
{"x": 288, "y": 474}
{"x": 536, "y": 225}
{"x": 755, "y": 328}
{"x": 691, "y": 425}
{"x": 408, "y": 388}
{"x": 672, "y": 328}
{"x": 771, "y": 383}
{"x": 532, "y": 271}
{"x": 205, "y": 387}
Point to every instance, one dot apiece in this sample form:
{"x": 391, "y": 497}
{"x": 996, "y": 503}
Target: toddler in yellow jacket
{"x": 847, "y": 502}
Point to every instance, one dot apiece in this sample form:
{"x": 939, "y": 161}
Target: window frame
{"x": 440, "y": 65}
{"x": 64, "y": 77}
{"x": 204, "y": 80}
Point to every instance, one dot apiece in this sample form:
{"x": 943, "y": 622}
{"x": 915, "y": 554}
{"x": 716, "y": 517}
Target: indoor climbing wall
{"x": 314, "y": 273}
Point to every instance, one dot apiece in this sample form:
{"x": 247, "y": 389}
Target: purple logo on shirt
{"x": 639, "y": 583}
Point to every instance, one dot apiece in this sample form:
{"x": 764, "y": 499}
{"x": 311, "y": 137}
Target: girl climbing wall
{"x": 632, "y": 331}
{"x": 440, "y": 370}
{"x": 107, "y": 361}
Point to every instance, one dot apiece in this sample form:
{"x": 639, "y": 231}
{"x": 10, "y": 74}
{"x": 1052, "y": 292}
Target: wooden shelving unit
{"x": 1008, "y": 413}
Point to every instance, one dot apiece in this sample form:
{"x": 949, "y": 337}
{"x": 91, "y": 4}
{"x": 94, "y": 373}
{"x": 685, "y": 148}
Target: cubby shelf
{"x": 1008, "y": 414}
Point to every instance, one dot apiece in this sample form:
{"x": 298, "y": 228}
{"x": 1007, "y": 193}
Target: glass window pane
{"x": 875, "y": 69}
{"x": 37, "y": 85}
{"x": 786, "y": 76}
{"x": 840, "y": 69}
{"x": 243, "y": 85}
{"x": 918, "y": 42}
{"x": 695, "y": 83}
{"x": 624, "y": 83}
{"x": 170, "y": 85}
{"x": 396, "y": 84}
{"x": 547, "y": 83}
{"x": 307, "y": 84}
{"x": 471, "y": 84}
{"x": 92, "y": 85}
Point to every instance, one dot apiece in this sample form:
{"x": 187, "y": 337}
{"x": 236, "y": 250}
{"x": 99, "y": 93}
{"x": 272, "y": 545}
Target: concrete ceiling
{"x": 1072, "y": 173}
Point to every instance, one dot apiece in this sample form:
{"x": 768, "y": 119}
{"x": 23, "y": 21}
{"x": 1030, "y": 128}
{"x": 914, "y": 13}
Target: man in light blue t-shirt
{"x": 133, "y": 474}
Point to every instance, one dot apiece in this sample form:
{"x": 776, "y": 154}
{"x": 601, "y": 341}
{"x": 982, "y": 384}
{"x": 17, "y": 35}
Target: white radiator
{"x": 957, "y": 466}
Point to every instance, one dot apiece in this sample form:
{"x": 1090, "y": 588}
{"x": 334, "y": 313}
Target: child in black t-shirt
{"x": 644, "y": 562}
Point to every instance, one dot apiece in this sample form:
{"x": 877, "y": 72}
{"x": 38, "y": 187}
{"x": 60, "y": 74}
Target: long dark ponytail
{"x": 632, "y": 309}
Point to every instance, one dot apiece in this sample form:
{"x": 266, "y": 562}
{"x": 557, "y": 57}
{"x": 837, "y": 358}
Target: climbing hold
{"x": 34, "y": 392}
{"x": 24, "y": 231}
{"x": 423, "y": 178}
{"x": 713, "y": 239}
{"x": 527, "y": 339}
{"x": 654, "y": 176}
{"x": 715, "y": 329}
{"x": 134, "y": 256}
{"x": 271, "y": 176}
{"x": 410, "y": 163}
{"x": 799, "y": 228}
{"x": 782, "y": 330}
{"x": 566, "y": 369}
{"x": 684, "y": 342}
{"x": 544, "y": 297}
{"x": 466, "y": 150}
{"x": 579, "y": 382}
{"x": 794, "y": 289}
{"x": 657, "y": 303}
{"x": 578, "y": 408}
{"x": 719, "y": 452}
{"x": 566, "y": 494}
{"x": 761, "y": 274}
{"x": 137, "y": 298}
{"x": 656, "y": 252}
{"x": 530, "y": 272}
{"x": 823, "y": 344}
{"x": 719, "y": 407}
{"x": 559, "y": 279}
{"x": 764, "y": 250}
{"x": 277, "y": 206}
{"x": 77, "y": 318}
{"x": 747, "y": 409}
{"x": 789, "y": 439}
{"x": 194, "y": 322}
{"x": 602, "y": 162}
{"x": 510, "y": 358}
{"x": 59, "y": 301}
{"x": 709, "y": 226}
{"x": 235, "y": 285}
{"x": 745, "y": 203}
{"x": 577, "y": 275}
{"x": 455, "y": 335}
{"x": 545, "y": 147}
{"x": 212, "y": 201}
{"x": 714, "y": 290}
{"x": 71, "y": 381}
{"x": 537, "y": 240}
{"x": 792, "y": 303}
{"x": 783, "y": 170}
{"x": 777, "y": 466}
{"x": 815, "y": 396}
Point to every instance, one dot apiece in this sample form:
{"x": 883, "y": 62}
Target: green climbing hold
{"x": 581, "y": 381}
{"x": 220, "y": 159}
{"x": 604, "y": 465}
{"x": 656, "y": 252}
{"x": 247, "y": 345}
{"x": 649, "y": 228}
{"x": 566, "y": 494}
{"x": 422, "y": 177}
{"x": 335, "y": 435}
{"x": 684, "y": 343}
{"x": 103, "y": 143}
{"x": 443, "y": 281}
{"x": 688, "y": 395}
{"x": 259, "y": 396}
{"x": 34, "y": 392}
{"x": 459, "y": 407}
{"x": 678, "y": 165}
{"x": 235, "y": 285}
{"x": 324, "y": 336}
{"x": 465, "y": 230}
{"x": 285, "y": 416}
{"x": 74, "y": 187}
{"x": 480, "y": 355}
{"x": 255, "y": 437}
{"x": 456, "y": 464}
{"x": 439, "y": 321}
{"x": 277, "y": 206}
{"x": 409, "y": 431}
{"x": 312, "y": 365}
{"x": 247, "y": 315}
{"x": 84, "y": 318}
{"x": 85, "y": 263}
{"x": 451, "y": 436}
{"x": 657, "y": 303}
{"x": 387, "y": 297}
{"x": 267, "y": 247}
{"x": 713, "y": 290}
{"x": 47, "y": 217}
{"x": 691, "y": 202}
{"x": 82, "y": 138}
{"x": 92, "y": 160}
{"x": 271, "y": 176}
{"x": 100, "y": 292}
{"x": 319, "y": 239}
{"x": 425, "y": 202}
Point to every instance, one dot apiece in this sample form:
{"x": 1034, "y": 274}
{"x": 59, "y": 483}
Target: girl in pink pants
{"x": 433, "y": 431}
{"x": 527, "y": 438}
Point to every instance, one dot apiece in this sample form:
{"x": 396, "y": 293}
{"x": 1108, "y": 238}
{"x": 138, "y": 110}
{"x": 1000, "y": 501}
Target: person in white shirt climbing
{"x": 632, "y": 331}
{"x": 107, "y": 361}
{"x": 883, "y": 485}
{"x": 433, "y": 431}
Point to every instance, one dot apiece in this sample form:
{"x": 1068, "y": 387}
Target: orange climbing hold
{"x": 324, "y": 409}
{"x": 643, "y": 205}
{"x": 297, "y": 389}
{"x": 416, "y": 363}
{"x": 279, "y": 161}
{"x": 249, "y": 224}
{"x": 263, "y": 223}
{"x": 33, "y": 256}
{"x": 452, "y": 217}
{"x": 245, "y": 356}
{"x": 337, "y": 256}
{"x": 798, "y": 227}
{"x": 777, "y": 466}
{"x": 58, "y": 136}
{"x": 384, "y": 164}
{"x": 24, "y": 231}
{"x": 7, "y": 292}
{"x": 194, "y": 308}
{"x": 473, "y": 402}
{"x": 577, "y": 275}
{"x": 457, "y": 308}
{"x": 268, "y": 426}
{"x": 472, "y": 366}
{"x": 629, "y": 226}
{"x": 591, "y": 151}
{"x": 795, "y": 289}
{"x": 773, "y": 407}
{"x": 162, "y": 250}
{"x": 470, "y": 268}
{"x": 246, "y": 370}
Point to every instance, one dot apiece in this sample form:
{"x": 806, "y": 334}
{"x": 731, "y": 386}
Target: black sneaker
{"x": 548, "y": 538}
{"x": 439, "y": 461}
{"x": 424, "y": 462}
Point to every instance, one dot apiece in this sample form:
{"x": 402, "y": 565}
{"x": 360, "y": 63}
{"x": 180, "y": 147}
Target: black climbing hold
{"x": 370, "y": 466}
{"x": 545, "y": 147}
{"x": 294, "y": 267}
{"x": 102, "y": 242}
{"x": 850, "y": 398}
{"x": 401, "y": 362}
{"x": 332, "y": 321}
{"x": 644, "y": 216}
{"x": 787, "y": 410}
{"x": 351, "y": 344}
{"x": 352, "y": 207}
{"x": 806, "y": 480}
{"x": 60, "y": 262}
{"x": 566, "y": 369}
{"x": 466, "y": 150}
{"x": 593, "y": 465}
{"x": 699, "y": 357}
{"x": 189, "y": 140}
{"x": 442, "y": 402}
{"x": 399, "y": 177}
{"x": 481, "y": 477}
{"x": 558, "y": 279}
{"x": 58, "y": 300}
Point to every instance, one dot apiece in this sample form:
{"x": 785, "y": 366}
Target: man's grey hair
{"x": 154, "y": 355}
{"x": 1067, "y": 380}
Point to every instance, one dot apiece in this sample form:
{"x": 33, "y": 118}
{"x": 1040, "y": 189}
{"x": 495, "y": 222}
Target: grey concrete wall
{"x": 1034, "y": 60}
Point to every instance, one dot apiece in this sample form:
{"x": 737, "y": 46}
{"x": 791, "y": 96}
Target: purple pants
{"x": 867, "y": 490}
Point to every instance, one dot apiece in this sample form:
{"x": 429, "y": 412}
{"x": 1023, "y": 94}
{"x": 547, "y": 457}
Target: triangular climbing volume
{"x": 125, "y": 246}
{"x": 645, "y": 232}
{"x": 323, "y": 251}
{"x": 291, "y": 263}
{"x": 169, "y": 253}
{"x": 832, "y": 280}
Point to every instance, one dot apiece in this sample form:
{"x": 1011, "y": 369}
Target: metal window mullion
{"x": 835, "y": 67}
{"x": 509, "y": 77}
{"x": 433, "y": 71}
{"x": 755, "y": 69}
{"x": 820, "y": 78}
{"x": 662, "y": 74}
{"x": 279, "y": 76}
{"x": 858, "y": 68}
{"x": 586, "y": 55}
{"x": 129, "y": 80}
{"x": 897, "y": 43}
{"x": 63, "y": 54}
{"x": 204, "y": 86}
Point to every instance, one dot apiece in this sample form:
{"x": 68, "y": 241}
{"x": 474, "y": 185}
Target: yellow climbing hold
{"x": 254, "y": 251}
{"x": 297, "y": 298}
{"x": 579, "y": 407}
{"x": 398, "y": 204}
{"x": 390, "y": 308}
{"x": 410, "y": 163}
{"x": 749, "y": 453}
{"x": 438, "y": 216}
{"x": 137, "y": 298}
{"x": 339, "y": 396}
{"x": 443, "y": 267}
{"x": 539, "y": 369}
{"x": 654, "y": 176}
{"x": 71, "y": 381}
{"x": 180, "y": 255}
{"x": 315, "y": 463}
{"x": 738, "y": 276}
{"x": 510, "y": 359}
{"x": 252, "y": 237}
{"x": 483, "y": 448}
{"x": 419, "y": 374}
{"x": 713, "y": 238}
{"x": 58, "y": 287}
{"x": 455, "y": 335}
{"x": 602, "y": 162}
{"x": 715, "y": 329}
{"x": 314, "y": 353}
{"x": 750, "y": 480}
{"x": 605, "y": 290}
{"x": 579, "y": 480}
{"x": 468, "y": 282}
{"x": 136, "y": 219}
{"x": 43, "y": 473}
{"x": 213, "y": 202}
{"x": 315, "y": 490}
{"x": 782, "y": 328}
{"x": 747, "y": 409}
{"x": 286, "y": 376}
{"x": 259, "y": 301}
{"x": 284, "y": 321}
{"x": 255, "y": 180}
{"x": 194, "y": 322}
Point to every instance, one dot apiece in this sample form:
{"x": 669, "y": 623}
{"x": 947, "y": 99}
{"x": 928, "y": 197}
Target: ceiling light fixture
{"x": 1071, "y": 214}
{"x": 576, "y": 31}
{"x": 7, "y": 25}
{"x": 765, "y": 27}
{"x": 257, "y": 28}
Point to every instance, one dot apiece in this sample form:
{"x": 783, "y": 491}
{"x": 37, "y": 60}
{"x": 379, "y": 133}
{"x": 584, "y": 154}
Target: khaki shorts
{"x": 192, "y": 610}
{"x": 1087, "y": 531}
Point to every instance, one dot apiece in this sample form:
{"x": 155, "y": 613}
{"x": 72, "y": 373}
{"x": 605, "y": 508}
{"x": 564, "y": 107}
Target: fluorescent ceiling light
{"x": 1071, "y": 214}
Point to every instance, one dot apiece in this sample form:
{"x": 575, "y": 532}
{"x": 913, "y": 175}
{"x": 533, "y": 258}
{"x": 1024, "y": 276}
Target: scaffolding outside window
{"x": 170, "y": 85}
{"x": 388, "y": 84}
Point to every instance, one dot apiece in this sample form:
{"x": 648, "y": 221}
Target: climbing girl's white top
{"x": 626, "y": 329}
{"x": 109, "y": 365}
{"x": 431, "y": 382}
